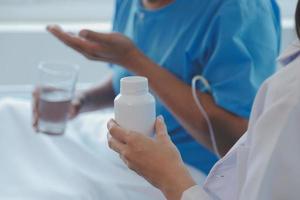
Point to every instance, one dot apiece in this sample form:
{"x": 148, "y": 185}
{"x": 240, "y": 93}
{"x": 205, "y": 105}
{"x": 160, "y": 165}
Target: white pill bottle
{"x": 134, "y": 107}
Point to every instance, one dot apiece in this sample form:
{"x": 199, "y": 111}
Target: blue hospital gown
{"x": 232, "y": 43}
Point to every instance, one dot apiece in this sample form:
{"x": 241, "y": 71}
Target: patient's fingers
{"x": 95, "y": 36}
{"x": 35, "y": 105}
{"x": 75, "y": 108}
{"x": 117, "y": 132}
{"x": 72, "y": 41}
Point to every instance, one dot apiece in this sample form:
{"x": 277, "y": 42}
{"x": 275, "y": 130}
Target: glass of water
{"x": 56, "y": 84}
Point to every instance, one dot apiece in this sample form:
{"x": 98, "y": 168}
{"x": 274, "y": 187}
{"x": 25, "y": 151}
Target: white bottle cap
{"x": 134, "y": 85}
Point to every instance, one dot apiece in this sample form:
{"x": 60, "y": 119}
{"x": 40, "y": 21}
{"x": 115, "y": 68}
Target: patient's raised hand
{"x": 108, "y": 47}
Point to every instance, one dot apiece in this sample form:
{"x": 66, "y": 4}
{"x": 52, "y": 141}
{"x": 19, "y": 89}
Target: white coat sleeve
{"x": 273, "y": 164}
{"x": 195, "y": 193}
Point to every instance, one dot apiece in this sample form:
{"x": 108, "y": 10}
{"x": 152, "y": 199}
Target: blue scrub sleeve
{"x": 245, "y": 44}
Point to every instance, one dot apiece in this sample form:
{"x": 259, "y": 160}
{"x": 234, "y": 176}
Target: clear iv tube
{"x": 203, "y": 112}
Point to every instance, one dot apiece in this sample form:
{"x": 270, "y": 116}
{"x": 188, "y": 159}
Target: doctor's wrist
{"x": 177, "y": 184}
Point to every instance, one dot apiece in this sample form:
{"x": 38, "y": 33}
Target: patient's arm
{"x": 98, "y": 97}
{"x": 174, "y": 93}
{"x": 178, "y": 97}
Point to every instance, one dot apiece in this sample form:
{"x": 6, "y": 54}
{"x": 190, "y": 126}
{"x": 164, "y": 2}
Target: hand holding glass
{"x": 55, "y": 90}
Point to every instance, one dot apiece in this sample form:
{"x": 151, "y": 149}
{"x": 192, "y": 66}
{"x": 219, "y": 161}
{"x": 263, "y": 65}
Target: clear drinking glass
{"x": 56, "y": 84}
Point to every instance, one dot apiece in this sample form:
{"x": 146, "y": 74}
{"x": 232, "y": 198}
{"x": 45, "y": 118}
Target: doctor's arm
{"x": 175, "y": 94}
{"x": 273, "y": 169}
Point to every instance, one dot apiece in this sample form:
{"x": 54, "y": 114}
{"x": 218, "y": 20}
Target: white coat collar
{"x": 290, "y": 54}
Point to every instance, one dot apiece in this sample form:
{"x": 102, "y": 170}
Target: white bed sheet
{"x": 78, "y": 165}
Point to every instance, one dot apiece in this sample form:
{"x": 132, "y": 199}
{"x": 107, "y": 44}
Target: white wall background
{"x": 21, "y": 51}
{"x": 287, "y": 12}
{"x": 24, "y": 42}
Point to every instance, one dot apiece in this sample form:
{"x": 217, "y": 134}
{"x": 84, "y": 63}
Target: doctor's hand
{"x": 108, "y": 47}
{"x": 155, "y": 159}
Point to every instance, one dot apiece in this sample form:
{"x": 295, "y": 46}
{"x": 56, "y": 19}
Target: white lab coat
{"x": 265, "y": 163}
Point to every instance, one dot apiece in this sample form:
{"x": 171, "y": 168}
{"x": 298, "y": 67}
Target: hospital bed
{"x": 77, "y": 165}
